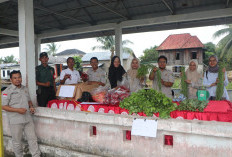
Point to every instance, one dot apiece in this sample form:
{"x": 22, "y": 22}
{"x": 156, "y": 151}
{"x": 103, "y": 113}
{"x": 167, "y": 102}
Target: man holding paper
{"x": 70, "y": 75}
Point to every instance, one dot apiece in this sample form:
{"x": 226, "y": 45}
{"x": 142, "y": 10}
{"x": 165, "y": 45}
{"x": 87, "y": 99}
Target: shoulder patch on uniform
{"x": 4, "y": 95}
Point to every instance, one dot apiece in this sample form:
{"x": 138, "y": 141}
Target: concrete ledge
{"x": 70, "y": 131}
{"x": 184, "y": 126}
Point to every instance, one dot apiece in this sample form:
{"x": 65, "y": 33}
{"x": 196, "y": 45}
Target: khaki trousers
{"x": 17, "y": 135}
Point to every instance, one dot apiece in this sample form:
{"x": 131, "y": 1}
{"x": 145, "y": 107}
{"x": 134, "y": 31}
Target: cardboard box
{"x": 67, "y": 91}
{"x": 84, "y": 87}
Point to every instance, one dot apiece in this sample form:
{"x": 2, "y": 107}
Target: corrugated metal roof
{"x": 101, "y": 56}
{"x": 55, "y": 15}
{"x": 70, "y": 52}
{"x": 180, "y": 41}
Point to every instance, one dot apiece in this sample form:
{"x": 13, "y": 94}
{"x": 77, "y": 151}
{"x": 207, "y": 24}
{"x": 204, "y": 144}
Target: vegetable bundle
{"x": 184, "y": 85}
{"x": 192, "y": 105}
{"x": 144, "y": 69}
{"x": 148, "y": 101}
{"x": 220, "y": 84}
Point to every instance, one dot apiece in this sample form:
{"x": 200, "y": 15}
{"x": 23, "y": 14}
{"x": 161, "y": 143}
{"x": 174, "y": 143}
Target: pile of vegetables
{"x": 184, "y": 85}
{"x": 150, "y": 102}
{"x": 220, "y": 84}
{"x": 192, "y": 105}
{"x": 144, "y": 69}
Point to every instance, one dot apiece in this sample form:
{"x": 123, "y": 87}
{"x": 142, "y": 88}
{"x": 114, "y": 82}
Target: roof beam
{"x": 203, "y": 15}
{"x": 171, "y": 19}
{"x": 86, "y": 12}
{"x": 65, "y": 16}
{"x": 72, "y": 31}
{"x": 9, "y": 32}
{"x": 1, "y": 1}
{"x": 123, "y": 5}
{"x": 108, "y": 8}
{"x": 8, "y": 41}
{"x": 58, "y": 21}
{"x": 169, "y": 7}
{"x": 227, "y": 3}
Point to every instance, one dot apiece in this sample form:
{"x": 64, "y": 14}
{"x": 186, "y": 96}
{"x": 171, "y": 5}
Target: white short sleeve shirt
{"x": 75, "y": 76}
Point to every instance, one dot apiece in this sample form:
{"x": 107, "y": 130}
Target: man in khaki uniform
{"x": 16, "y": 101}
{"x": 96, "y": 75}
{"x": 167, "y": 78}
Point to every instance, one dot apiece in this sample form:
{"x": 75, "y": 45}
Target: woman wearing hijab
{"x": 116, "y": 71}
{"x": 194, "y": 79}
{"x": 211, "y": 78}
{"x": 134, "y": 82}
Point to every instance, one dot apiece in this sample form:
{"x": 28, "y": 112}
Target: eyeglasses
{"x": 162, "y": 62}
{"x": 213, "y": 60}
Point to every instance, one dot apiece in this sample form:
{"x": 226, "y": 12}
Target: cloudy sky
{"x": 141, "y": 40}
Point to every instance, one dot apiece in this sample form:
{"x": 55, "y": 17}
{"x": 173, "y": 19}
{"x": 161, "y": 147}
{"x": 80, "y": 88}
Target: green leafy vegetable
{"x": 192, "y": 105}
{"x": 184, "y": 85}
{"x": 144, "y": 69}
{"x": 149, "y": 101}
{"x": 220, "y": 84}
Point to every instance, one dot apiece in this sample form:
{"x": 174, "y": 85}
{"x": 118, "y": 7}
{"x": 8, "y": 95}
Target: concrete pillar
{"x": 37, "y": 50}
{"x": 118, "y": 42}
{"x": 27, "y": 46}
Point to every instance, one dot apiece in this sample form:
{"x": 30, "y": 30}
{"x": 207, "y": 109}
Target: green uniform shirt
{"x": 45, "y": 74}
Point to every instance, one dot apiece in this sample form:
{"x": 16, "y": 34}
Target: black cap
{"x": 43, "y": 54}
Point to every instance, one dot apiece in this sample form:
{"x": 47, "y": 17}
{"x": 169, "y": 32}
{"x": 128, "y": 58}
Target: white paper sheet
{"x": 142, "y": 127}
{"x": 67, "y": 91}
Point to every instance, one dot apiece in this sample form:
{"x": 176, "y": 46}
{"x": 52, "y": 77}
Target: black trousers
{"x": 45, "y": 94}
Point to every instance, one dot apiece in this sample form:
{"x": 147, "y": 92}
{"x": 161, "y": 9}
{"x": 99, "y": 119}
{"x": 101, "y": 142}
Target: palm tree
{"x": 108, "y": 43}
{"x": 8, "y": 59}
{"x": 52, "y": 48}
{"x": 225, "y": 44}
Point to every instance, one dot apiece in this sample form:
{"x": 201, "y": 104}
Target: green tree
{"x": 52, "y": 48}
{"x": 78, "y": 61}
{"x": 150, "y": 54}
{"x": 108, "y": 43}
{"x": 210, "y": 50}
{"x": 8, "y": 59}
{"x": 225, "y": 44}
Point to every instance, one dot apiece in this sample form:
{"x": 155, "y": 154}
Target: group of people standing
{"x": 16, "y": 100}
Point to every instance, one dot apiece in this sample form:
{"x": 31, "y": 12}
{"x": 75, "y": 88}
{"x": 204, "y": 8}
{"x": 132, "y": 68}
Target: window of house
{"x": 178, "y": 56}
{"x": 194, "y": 55}
{"x": 8, "y": 72}
{"x": 3, "y": 73}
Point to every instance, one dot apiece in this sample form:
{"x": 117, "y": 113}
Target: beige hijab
{"x": 133, "y": 72}
{"x": 194, "y": 76}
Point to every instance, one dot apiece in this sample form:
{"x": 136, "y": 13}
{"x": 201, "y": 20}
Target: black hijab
{"x": 115, "y": 74}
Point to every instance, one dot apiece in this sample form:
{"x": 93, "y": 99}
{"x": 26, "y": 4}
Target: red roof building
{"x": 181, "y": 48}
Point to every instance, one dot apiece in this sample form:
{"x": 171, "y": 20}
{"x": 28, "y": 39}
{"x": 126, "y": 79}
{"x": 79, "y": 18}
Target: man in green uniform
{"x": 17, "y": 103}
{"x": 45, "y": 81}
